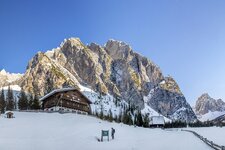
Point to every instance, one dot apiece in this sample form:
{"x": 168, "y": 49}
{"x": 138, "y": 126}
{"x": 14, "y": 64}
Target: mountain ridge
{"x": 208, "y": 108}
{"x": 113, "y": 69}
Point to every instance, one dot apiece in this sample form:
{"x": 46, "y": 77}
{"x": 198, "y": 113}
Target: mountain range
{"x": 107, "y": 75}
{"x": 208, "y": 108}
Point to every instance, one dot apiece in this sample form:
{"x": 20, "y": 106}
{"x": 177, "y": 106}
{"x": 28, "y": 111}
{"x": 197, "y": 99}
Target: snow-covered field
{"x": 53, "y": 131}
{"x": 215, "y": 134}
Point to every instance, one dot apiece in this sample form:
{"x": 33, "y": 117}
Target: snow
{"x": 9, "y": 77}
{"x": 210, "y": 115}
{"x": 163, "y": 82}
{"x": 152, "y": 112}
{"x": 216, "y": 134}
{"x": 102, "y": 102}
{"x": 12, "y": 87}
{"x": 56, "y": 91}
{"x": 148, "y": 110}
{"x": 50, "y": 53}
{"x": 176, "y": 114}
{"x": 45, "y": 131}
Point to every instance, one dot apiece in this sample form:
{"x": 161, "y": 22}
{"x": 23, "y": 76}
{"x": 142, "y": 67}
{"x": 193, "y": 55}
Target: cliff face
{"x": 206, "y": 104}
{"x": 113, "y": 69}
{"x": 169, "y": 101}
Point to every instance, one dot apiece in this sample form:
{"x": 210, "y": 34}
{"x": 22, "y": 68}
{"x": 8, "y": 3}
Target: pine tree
{"x": 110, "y": 116}
{"x": 139, "y": 119}
{"x": 146, "y": 121}
{"x": 101, "y": 115}
{"x": 30, "y": 102}
{"x": 23, "y": 101}
{"x": 10, "y": 100}
{"x": 96, "y": 113}
{"x": 36, "y": 104}
{"x": 130, "y": 121}
{"x": 2, "y": 102}
{"x": 135, "y": 119}
{"x": 119, "y": 118}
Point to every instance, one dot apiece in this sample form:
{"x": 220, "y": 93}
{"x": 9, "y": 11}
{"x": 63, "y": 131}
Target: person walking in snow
{"x": 112, "y": 132}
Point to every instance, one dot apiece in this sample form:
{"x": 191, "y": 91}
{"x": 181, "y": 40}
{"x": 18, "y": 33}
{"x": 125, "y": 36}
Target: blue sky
{"x": 186, "y": 38}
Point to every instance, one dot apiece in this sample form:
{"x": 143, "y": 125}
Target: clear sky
{"x": 186, "y": 38}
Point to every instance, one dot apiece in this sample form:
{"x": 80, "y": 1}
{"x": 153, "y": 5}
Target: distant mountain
{"x": 107, "y": 75}
{"x": 7, "y": 78}
{"x": 207, "y": 108}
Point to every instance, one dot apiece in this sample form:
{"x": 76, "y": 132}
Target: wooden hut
{"x": 9, "y": 114}
{"x": 66, "y": 100}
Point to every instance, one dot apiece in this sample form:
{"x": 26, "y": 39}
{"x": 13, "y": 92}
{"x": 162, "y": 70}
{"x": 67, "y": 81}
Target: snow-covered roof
{"x": 56, "y": 91}
{"x": 157, "y": 120}
{"x": 62, "y": 90}
{"x": 8, "y": 112}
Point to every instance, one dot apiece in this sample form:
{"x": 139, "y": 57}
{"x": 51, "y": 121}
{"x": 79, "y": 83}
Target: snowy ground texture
{"x": 53, "y": 131}
{"x": 215, "y": 134}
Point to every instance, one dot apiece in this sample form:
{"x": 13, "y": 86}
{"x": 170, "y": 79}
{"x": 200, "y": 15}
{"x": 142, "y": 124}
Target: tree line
{"x": 25, "y": 102}
{"x": 129, "y": 115}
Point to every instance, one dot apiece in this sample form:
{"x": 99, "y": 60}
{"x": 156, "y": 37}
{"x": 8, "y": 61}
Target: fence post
{"x": 223, "y": 147}
{"x": 211, "y": 142}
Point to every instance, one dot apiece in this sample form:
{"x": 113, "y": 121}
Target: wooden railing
{"x": 205, "y": 140}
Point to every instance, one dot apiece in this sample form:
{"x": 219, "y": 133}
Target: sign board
{"x": 105, "y": 133}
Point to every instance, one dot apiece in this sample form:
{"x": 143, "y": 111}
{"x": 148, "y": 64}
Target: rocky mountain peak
{"x": 117, "y": 49}
{"x": 7, "y": 78}
{"x": 205, "y": 96}
{"x": 205, "y": 103}
{"x": 72, "y": 42}
{"x": 3, "y": 72}
{"x": 113, "y": 69}
{"x": 170, "y": 84}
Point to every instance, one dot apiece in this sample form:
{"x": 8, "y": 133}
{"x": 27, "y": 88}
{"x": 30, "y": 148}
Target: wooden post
{"x": 223, "y": 147}
{"x": 211, "y": 142}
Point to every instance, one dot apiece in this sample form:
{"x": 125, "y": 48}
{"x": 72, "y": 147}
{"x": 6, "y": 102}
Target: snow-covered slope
{"x": 53, "y": 131}
{"x": 210, "y": 115}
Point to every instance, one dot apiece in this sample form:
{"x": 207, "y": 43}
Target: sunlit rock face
{"x": 113, "y": 69}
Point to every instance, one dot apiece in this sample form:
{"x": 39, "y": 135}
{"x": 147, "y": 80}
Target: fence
{"x": 205, "y": 140}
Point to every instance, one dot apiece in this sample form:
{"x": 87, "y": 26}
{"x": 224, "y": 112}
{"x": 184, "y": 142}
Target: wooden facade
{"x": 66, "y": 100}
